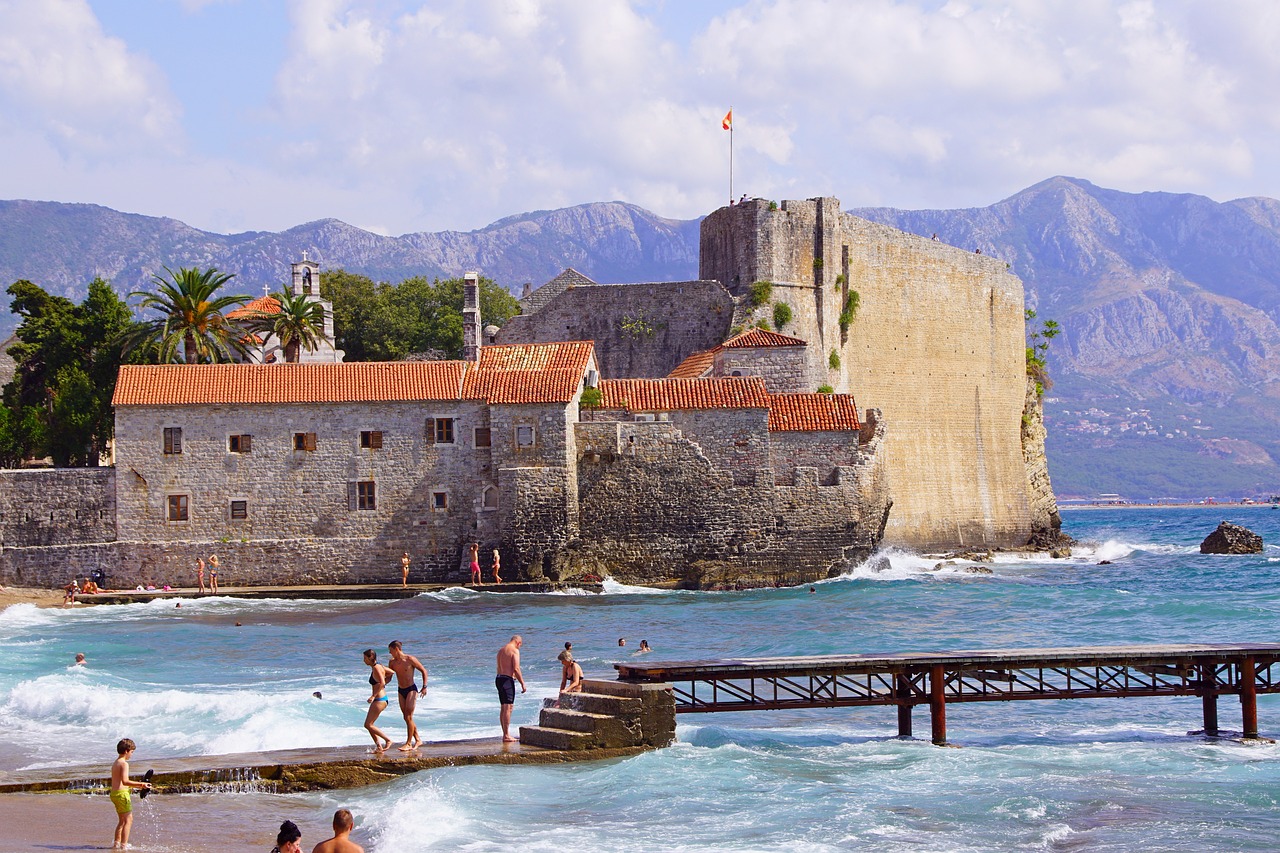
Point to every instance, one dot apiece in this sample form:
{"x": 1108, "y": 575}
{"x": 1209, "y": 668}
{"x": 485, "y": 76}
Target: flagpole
{"x": 731, "y": 156}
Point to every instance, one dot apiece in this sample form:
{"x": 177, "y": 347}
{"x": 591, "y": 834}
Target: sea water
{"x": 1099, "y": 774}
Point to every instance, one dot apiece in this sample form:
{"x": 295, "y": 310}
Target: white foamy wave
{"x": 892, "y": 564}
{"x": 424, "y": 818}
{"x": 451, "y": 594}
{"x": 613, "y": 587}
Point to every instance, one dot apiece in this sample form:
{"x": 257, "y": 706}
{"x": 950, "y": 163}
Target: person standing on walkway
{"x": 378, "y": 677}
{"x": 497, "y": 564}
{"x": 213, "y": 573}
{"x": 508, "y": 675}
{"x": 200, "y": 573}
{"x": 474, "y": 550}
{"x": 404, "y": 569}
{"x": 404, "y": 666}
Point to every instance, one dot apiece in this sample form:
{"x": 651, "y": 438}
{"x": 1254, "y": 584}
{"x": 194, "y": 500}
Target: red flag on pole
{"x": 727, "y": 124}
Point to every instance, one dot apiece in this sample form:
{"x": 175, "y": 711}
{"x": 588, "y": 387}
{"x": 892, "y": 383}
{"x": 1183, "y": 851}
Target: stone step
{"x": 608, "y": 730}
{"x": 557, "y": 738}
{"x": 626, "y": 707}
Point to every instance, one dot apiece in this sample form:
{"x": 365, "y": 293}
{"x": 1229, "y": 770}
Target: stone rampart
{"x": 57, "y": 506}
{"x": 937, "y": 342}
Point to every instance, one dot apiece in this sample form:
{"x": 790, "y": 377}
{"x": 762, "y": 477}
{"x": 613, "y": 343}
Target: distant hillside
{"x": 62, "y": 247}
{"x": 1168, "y": 371}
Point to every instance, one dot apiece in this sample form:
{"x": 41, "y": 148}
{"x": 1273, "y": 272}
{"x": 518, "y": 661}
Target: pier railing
{"x": 994, "y": 675}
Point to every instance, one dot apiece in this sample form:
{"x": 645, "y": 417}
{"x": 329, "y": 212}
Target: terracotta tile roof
{"x": 812, "y": 412}
{"x": 695, "y": 366}
{"x": 664, "y": 395}
{"x": 761, "y": 338}
{"x": 566, "y": 355}
{"x": 208, "y": 384}
{"x": 261, "y": 305}
{"x": 522, "y": 386}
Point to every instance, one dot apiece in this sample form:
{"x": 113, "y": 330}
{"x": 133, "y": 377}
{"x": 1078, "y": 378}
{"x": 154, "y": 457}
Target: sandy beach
{"x": 26, "y": 595}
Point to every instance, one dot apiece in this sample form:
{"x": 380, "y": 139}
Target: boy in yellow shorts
{"x": 121, "y": 792}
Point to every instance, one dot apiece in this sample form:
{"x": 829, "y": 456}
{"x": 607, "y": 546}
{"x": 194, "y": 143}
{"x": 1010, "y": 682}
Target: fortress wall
{"x": 638, "y": 329}
{"x": 785, "y": 370}
{"x": 937, "y": 344}
{"x": 57, "y": 506}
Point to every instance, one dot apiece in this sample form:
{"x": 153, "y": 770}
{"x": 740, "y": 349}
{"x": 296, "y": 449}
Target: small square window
{"x": 239, "y": 443}
{"x": 304, "y": 441}
{"x": 172, "y": 440}
{"x": 362, "y": 495}
{"x": 178, "y": 507}
{"x": 524, "y": 436}
{"x": 483, "y": 437}
{"x": 371, "y": 439}
{"x": 439, "y": 500}
{"x": 441, "y": 430}
{"x": 239, "y": 510}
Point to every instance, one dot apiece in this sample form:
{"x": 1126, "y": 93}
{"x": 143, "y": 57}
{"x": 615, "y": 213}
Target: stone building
{"x": 931, "y": 333}
{"x": 266, "y": 349}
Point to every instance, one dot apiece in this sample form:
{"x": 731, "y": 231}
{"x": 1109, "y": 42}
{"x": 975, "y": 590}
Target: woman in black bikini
{"x": 377, "y": 700}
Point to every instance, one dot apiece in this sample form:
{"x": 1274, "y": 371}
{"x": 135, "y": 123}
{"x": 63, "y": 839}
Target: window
{"x": 178, "y": 507}
{"x": 439, "y": 500}
{"x": 362, "y": 495}
{"x": 440, "y": 430}
{"x": 172, "y": 440}
{"x": 239, "y": 443}
{"x": 483, "y": 438}
{"x": 490, "y": 497}
{"x": 524, "y": 436}
{"x": 304, "y": 441}
{"x": 239, "y": 510}
{"x": 371, "y": 439}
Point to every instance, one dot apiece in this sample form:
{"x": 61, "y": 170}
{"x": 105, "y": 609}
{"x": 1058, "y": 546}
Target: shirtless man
{"x": 341, "y": 841}
{"x": 403, "y": 666}
{"x": 474, "y": 549}
{"x": 404, "y": 569}
{"x": 508, "y": 675}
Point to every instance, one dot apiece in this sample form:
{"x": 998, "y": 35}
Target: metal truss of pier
{"x": 995, "y": 675}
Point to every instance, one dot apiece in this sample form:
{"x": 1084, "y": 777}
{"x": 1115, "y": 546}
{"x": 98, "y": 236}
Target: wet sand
{"x": 185, "y": 823}
{"x": 26, "y": 595}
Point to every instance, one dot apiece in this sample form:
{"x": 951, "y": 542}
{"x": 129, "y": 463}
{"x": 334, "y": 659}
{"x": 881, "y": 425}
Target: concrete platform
{"x": 290, "y": 770}
{"x": 334, "y": 591}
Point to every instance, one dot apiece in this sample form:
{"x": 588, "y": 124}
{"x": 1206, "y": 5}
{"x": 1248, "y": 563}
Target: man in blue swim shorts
{"x": 508, "y": 675}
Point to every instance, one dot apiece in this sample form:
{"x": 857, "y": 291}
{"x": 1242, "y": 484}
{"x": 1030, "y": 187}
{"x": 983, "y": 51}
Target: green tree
{"x": 355, "y": 310}
{"x": 298, "y": 325}
{"x": 1038, "y": 339}
{"x": 192, "y": 317}
{"x": 59, "y": 402}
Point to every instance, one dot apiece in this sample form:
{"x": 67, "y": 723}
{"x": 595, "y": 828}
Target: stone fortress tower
{"x": 931, "y": 334}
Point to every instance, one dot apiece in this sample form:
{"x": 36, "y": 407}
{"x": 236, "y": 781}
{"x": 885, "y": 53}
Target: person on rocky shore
{"x": 404, "y": 667}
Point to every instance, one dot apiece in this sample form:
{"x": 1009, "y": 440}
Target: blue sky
{"x": 404, "y": 115}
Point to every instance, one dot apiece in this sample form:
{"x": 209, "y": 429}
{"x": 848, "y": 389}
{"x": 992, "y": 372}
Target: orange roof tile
{"x": 761, "y": 338}
{"x": 565, "y": 355}
{"x": 695, "y": 366}
{"x": 261, "y": 305}
{"x": 522, "y": 386}
{"x": 812, "y": 412}
{"x": 208, "y": 384}
{"x": 661, "y": 395}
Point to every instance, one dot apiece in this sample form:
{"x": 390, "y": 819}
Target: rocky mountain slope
{"x": 1168, "y": 370}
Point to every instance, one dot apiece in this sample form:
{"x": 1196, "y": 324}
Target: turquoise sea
{"x": 1098, "y": 775}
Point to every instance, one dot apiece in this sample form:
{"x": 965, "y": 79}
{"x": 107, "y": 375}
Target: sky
{"x": 401, "y": 116}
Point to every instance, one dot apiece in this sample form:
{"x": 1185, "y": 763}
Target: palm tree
{"x": 299, "y": 323}
{"x": 190, "y": 316}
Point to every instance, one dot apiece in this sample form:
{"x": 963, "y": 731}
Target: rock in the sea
{"x": 1231, "y": 539}
{"x": 977, "y": 570}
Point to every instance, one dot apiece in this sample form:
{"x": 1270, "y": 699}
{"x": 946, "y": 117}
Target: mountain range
{"x": 1167, "y": 373}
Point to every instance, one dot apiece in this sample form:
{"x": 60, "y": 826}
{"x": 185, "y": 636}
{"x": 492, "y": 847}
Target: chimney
{"x": 471, "y": 317}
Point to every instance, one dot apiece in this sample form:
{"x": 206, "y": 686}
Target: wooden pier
{"x": 994, "y": 675}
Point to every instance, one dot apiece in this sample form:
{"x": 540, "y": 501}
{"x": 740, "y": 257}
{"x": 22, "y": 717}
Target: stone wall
{"x": 785, "y": 370}
{"x": 1046, "y": 523}
{"x": 937, "y": 343}
{"x": 638, "y": 329}
{"x": 57, "y": 506}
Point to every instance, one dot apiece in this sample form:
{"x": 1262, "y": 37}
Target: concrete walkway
{"x": 335, "y": 591}
{"x": 290, "y": 770}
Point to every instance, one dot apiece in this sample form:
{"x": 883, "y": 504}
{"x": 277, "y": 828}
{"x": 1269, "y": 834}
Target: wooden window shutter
{"x": 375, "y": 440}
{"x": 431, "y": 430}
{"x": 246, "y": 443}
{"x": 309, "y": 442}
{"x": 353, "y": 496}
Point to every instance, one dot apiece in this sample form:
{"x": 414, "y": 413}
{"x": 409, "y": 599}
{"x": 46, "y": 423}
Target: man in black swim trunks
{"x": 508, "y": 675}
{"x": 403, "y": 666}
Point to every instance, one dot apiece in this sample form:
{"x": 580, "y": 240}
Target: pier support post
{"x": 1209, "y": 698}
{"x": 938, "y": 704}
{"x": 902, "y": 692}
{"x": 1249, "y": 697}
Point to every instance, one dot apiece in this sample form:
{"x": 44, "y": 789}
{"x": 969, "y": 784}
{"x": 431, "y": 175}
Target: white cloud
{"x": 87, "y": 92}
